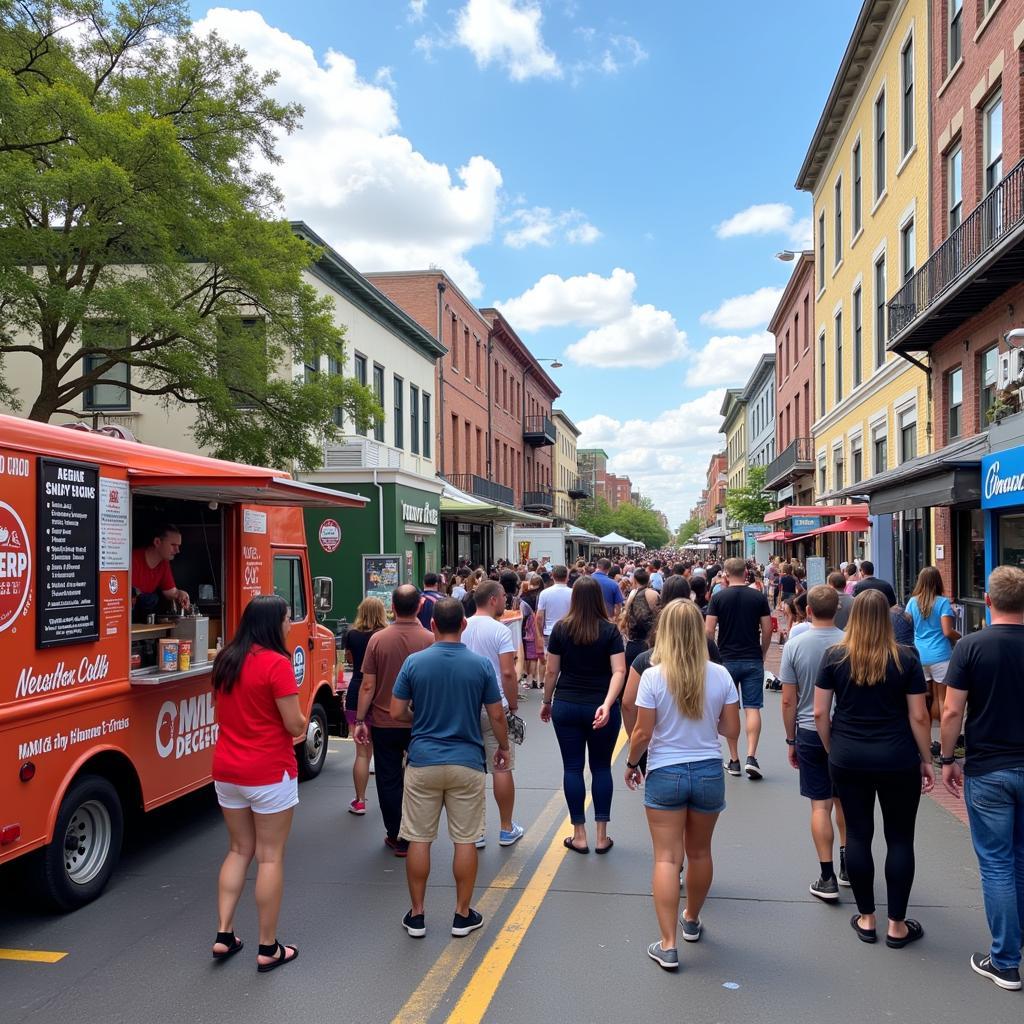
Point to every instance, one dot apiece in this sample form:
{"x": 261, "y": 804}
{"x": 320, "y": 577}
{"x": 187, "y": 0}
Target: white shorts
{"x": 936, "y": 672}
{"x": 272, "y": 799}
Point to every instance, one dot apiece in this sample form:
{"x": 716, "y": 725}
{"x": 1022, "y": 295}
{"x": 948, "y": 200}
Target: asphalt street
{"x": 565, "y": 936}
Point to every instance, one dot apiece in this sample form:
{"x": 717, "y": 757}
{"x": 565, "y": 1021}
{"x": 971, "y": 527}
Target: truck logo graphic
{"x": 185, "y": 727}
{"x": 15, "y": 566}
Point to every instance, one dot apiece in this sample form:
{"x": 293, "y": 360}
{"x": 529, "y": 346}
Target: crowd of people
{"x": 671, "y": 649}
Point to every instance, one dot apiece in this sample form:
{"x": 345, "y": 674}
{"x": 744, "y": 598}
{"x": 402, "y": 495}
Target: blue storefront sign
{"x": 804, "y": 524}
{"x": 1002, "y": 479}
{"x": 750, "y": 535}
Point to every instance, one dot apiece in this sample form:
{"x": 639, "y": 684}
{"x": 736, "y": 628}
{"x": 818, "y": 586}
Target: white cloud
{"x": 538, "y": 225}
{"x": 647, "y": 337}
{"x": 507, "y": 33}
{"x": 417, "y": 10}
{"x": 728, "y": 360}
{"x": 586, "y": 300}
{"x": 608, "y": 55}
{"x": 768, "y": 219}
{"x": 352, "y": 176}
{"x": 744, "y": 311}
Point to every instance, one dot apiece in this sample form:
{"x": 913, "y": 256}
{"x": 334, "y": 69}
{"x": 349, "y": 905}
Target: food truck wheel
{"x": 313, "y": 753}
{"x": 86, "y": 844}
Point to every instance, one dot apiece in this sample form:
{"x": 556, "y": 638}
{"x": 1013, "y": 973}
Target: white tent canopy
{"x": 616, "y": 540}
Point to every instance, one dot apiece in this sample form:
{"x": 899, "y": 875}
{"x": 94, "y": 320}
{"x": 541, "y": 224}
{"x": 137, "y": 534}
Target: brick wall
{"x": 794, "y": 360}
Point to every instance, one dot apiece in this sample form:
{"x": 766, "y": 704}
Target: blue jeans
{"x": 577, "y": 737}
{"x": 995, "y": 806}
{"x": 749, "y": 679}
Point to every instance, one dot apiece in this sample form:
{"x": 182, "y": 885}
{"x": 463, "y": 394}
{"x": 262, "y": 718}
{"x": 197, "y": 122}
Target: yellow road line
{"x": 421, "y": 1005}
{"x": 477, "y": 996}
{"x": 32, "y": 956}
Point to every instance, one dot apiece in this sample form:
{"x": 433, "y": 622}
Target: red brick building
{"x": 791, "y": 473}
{"x": 954, "y": 313}
{"x": 618, "y": 490}
{"x": 715, "y": 490}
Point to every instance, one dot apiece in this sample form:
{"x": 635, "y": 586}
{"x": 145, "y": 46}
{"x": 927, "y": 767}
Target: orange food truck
{"x": 106, "y": 704}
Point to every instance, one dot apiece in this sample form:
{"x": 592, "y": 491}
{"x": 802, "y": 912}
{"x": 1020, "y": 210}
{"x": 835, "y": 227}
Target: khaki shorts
{"x": 491, "y": 746}
{"x": 460, "y": 790}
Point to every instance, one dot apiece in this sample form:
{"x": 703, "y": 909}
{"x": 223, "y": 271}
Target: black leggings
{"x": 899, "y": 794}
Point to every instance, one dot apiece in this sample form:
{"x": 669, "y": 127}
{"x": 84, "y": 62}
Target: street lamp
{"x": 787, "y": 255}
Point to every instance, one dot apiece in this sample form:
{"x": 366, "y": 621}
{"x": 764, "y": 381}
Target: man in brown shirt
{"x": 385, "y": 656}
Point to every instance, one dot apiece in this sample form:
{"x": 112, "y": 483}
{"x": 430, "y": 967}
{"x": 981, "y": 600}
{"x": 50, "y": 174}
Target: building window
{"x": 907, "y": 109}
{"x": 821, "y": 251}
{"x": 993, "y": 122}
{"x": 955, "y": 188}
{"x": 839, "y": 356}
{"x": 359, "y": 371}
{"x": 334, "y": 369}
{"x": 858, "y": 213}
{"x": 956, "y": 25}
{"x": 242, "y": 358}
{"x": 907, "y": 249}
{"x": 455, "y": 341}
{"x": 837, "y": 469}
{"x": 378, "y": 393}
{"x": 955, "y": 398}
{"x": 880, "y": 449}
{"x": 465, "y": 338}
{"x": 908, "y": 435}
{"x": 414, "y": 419}
{"x": 427, "y": 436}
{"x": 857, "y": 336}
{"x": 311, "y": 369}
{"x": 399, "y": 412}
{"x": 989, "y": 379}
{"x": 880, "y": 311}
{"x": 112, "y": 392}
{"x": 822, "y": 375}
{"x": 838, "y": 244}
{"x": 856, "y": 460}
{"x": 879, "y": 146}
{"x": 822, "y": 476}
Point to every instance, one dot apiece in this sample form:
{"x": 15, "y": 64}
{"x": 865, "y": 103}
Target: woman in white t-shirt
{"x": 684, "y": 704}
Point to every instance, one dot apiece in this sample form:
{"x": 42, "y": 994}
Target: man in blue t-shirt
{"x": 612, "y": 595}
{"x": 440, "y": 691}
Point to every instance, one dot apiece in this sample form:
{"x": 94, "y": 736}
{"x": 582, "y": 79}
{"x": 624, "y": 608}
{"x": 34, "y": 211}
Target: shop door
{"x": 913, "y": 546}
{"x": 290, "y": 583}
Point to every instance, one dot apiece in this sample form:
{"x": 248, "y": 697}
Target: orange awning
{"x": 255, "y": 488}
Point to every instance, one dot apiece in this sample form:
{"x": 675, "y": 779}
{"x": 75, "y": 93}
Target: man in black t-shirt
{"x": 984, "y": 673}
{"x": 744, "y": 623}
{"x": 869, "y": 581}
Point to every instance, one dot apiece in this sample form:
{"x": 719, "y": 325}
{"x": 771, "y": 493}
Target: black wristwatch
{"x": 946, "y": 761}
{"x": 632, "y": 767}
{"x": 790, "y": 743}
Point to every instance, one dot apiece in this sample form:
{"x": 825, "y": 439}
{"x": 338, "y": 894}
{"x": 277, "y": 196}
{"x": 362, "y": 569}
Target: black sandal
{"x": 229, "y": 939}
{"x": 604, "y": 849}
{"x": 864, "y": 934}
{"x": 569, "y": 845}
{"x": 914, "y": 932}
{"x": 281, "y": 959}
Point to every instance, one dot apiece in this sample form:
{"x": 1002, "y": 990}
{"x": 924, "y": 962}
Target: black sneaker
{"x": 981, "y": 963}
{"x": 415, "y": 925}
{"x": 733, "y": 768}
{"x": 399, "y": 847}
{"x": 825, "y": 889}
{"x": 464, "y": 925}
{"x": 753, "y": 769}
{"x": 936, "y": 749}
{"x": 844, "y": 878}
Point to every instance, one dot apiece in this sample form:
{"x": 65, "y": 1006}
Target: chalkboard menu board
{"x": 381, "y": 574}
{"x": 67, "y": 571}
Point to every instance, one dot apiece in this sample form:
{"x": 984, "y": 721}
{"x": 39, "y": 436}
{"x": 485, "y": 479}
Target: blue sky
{"x": 616, "y": 176}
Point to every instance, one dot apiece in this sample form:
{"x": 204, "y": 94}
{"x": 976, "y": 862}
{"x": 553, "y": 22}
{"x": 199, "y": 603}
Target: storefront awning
{"x": 249, "y": 490}
{"x": 766, "y": 538}
{"x": 788, "y": 511}
{"x": 852, "y": 524}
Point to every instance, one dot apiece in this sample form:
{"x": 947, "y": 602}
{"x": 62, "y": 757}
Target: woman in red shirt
{"x": 255, "y": 772}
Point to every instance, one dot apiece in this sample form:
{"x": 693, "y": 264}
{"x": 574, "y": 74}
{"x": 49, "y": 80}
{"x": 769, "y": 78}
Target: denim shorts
{"x": 694, "y": 786}
{"x": 749, "y": 679}
{"x": 815, "y": 778}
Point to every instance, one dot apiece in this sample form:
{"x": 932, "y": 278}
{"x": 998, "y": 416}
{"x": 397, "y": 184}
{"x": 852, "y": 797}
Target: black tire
{"x": 67, "y": 878}
{"x": 311, "y": 763}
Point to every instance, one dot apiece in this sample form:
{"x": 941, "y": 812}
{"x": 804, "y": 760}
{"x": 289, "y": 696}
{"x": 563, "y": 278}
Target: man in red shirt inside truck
{"x": 151, "y": 571}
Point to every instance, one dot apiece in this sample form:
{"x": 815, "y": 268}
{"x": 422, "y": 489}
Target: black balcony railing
{"x": 997, "y": 217}
{"x": 797, "y": 458}
{"x": 538, "y": 430}
{"x": 538, "y": 501}
{"x": 480, "y": 487}
{"x": 578, "y": 489}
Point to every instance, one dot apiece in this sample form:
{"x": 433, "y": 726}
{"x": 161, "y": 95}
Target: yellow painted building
{"x": 734, "y": 426}
{"x": 867, "y": 169}
{"x": 564, "y": 470}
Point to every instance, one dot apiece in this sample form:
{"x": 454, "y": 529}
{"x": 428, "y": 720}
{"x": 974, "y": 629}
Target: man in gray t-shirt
{"x": 801, "y": 660}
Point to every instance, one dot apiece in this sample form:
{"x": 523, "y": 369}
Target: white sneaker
{"x": 481, "y": 843}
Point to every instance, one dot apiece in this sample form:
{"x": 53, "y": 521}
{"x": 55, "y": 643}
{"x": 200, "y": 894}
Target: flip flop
{"x": 568, "y": 844}
{"x": 864, "y": 934}
{"x": 280, "y": 960}
{"x": 914, "y": 932}
{"x": 604, "y": 849}
{"x": 232, "y": 941}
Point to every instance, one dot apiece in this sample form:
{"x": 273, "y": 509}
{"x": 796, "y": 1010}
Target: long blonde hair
{"x": 681, "y": 649}
{"x": 869, "y": 641}
{"x": 927, "y": 589}
{"x": 371, "y": 615}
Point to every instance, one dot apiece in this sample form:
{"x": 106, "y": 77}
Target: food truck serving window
{"x": 288, "y": 584}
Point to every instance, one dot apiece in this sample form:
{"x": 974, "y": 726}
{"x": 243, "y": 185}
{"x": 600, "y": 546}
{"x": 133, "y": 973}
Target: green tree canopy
{"x": 595, "y": 515}
{"x": 137, "y": 229}
{"x": 640, "y": 524}
{"x": 688, "y": 530}
{"x": 752, "y": 503}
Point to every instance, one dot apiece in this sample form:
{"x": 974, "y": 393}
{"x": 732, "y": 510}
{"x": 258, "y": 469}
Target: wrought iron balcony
{"x": 538, "y": 501}
{"x": 795, "y": 461}
{"x": 538, "y": 430}
{"x": 977, "y": 263}
{"x": 480, "y": 487}
{"x": 578, "y": 488}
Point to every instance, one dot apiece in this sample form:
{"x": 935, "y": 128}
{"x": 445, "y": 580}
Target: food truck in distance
{"x": 121, "y": 566}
